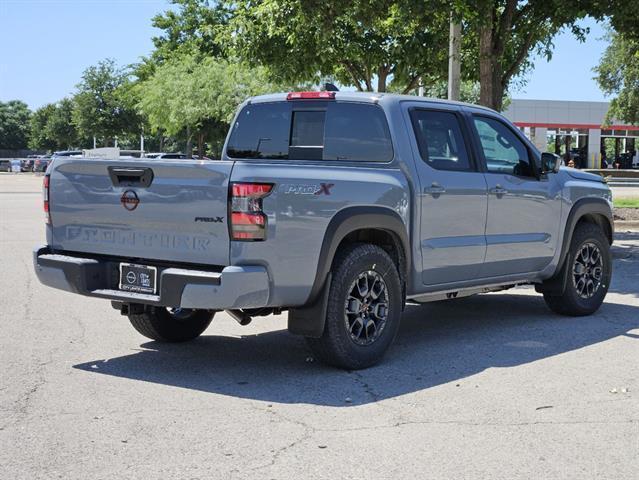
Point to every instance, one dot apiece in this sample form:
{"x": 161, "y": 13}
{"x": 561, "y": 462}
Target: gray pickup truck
{"x": 337, "y": 207}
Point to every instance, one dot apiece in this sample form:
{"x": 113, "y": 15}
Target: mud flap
{"x": 309, "y": 320}
{"x": 556, "y": 285}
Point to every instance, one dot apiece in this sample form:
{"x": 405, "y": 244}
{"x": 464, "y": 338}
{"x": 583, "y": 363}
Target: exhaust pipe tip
{"x": 240, "y": 317}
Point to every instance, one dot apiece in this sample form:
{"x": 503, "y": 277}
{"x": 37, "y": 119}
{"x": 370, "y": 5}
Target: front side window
{"x": 440, "y": 140}
{"x": 503, "y": 150}
{"x": 326, "y": 130}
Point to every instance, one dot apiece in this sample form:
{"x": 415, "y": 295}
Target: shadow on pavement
{"x": 625, "y": 275}
{"x": 438, "y": 343}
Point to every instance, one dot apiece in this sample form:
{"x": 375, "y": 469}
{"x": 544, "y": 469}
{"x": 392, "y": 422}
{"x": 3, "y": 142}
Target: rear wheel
{"x": 171, "y": 324}
{"x": 364, "y": 308}
{"x": 589, "y": 266}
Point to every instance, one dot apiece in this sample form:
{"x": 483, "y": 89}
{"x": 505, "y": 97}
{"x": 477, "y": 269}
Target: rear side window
{"x": 357, "y": 132}
{"x": 440, "y": 140}
{"x": 329, "y": 131}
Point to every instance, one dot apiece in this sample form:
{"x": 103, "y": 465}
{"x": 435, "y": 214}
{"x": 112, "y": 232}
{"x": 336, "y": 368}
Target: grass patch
{"x": 626, "y": 202}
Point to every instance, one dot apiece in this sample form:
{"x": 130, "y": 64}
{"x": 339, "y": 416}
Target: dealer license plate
{"x": 138, "y": 278}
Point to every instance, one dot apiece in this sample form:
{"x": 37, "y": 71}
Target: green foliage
{"x": 365, "y": 44}
{"x": 39, "y": 138}
{"x": 14, "y": 124}
{"x": 189, "y": 95}
{"x": 192, "y": 29}
{"x": 618, "y": 74}
{"x": 52, "y": 127}
{"x": 104, "y": 105}
{"x": 623, "y": 15}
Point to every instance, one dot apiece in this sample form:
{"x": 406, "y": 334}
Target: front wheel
{"x": 589, "y": 265}
{"x": 171, "y": 324}
{"x": 364, "y": 308}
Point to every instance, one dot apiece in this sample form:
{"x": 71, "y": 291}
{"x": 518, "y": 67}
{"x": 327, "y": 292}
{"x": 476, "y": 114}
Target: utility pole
{"x": 454, "y": 67}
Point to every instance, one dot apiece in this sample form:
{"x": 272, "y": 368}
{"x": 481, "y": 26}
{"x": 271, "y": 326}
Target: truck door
{"x": 452, "y": 197}
{"x": 524, "y": 210}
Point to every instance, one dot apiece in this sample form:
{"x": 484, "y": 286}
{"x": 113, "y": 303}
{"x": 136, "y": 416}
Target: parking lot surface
{"x": 488, "y": 387}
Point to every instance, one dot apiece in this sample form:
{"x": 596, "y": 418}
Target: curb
{"x": 626, "y": 225}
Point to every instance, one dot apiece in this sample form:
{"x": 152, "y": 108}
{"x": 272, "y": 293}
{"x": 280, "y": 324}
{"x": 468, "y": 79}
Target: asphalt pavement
{"x": 488, "y": 387}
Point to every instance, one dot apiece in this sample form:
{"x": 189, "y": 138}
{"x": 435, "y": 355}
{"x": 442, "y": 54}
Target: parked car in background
{"x": 163, "y": 155}
{"x": 5, "y": 165}
{"x": 26, "y": 164}
{"x": 40, "y": 164}
{"x": 16, "y": 165}
{"x": 66, "y": 153}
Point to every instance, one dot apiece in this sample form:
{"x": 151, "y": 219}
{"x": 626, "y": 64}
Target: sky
{"x": 46, "y": 44}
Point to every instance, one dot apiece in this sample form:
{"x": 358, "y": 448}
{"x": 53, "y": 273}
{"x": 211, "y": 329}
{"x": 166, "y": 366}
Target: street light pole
{"x": 454, "y": 67}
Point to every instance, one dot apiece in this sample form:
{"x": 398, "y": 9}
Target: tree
{"x": 40, "y": 139}
{"x": 367, "y": 44}
{"x": 52, "y": 127}
{"x": 188, "y": 96}
{"x": 505, "y": 33}
{"x": 618, "y": 74}
{"x": 103, "y": 106}
{"x": 14, "y": 125}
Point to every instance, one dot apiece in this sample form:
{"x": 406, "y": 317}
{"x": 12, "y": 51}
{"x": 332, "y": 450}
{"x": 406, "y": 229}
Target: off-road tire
{"x": 157, "y": 323}
{"x": 335, "y": 346}
{"x": 570, "y": 302}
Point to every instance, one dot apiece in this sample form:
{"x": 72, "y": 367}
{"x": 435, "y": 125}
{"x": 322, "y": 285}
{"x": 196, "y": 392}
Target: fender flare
{"x": 585, "y": 206}
{"x": 308, "y": 320}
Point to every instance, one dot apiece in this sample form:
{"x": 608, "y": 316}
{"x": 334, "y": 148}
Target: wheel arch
{"x": 377, "y": 225}
{"x": 591, "y": 210}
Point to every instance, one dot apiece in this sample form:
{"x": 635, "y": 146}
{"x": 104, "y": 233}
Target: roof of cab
{"x": 371, "y": 97}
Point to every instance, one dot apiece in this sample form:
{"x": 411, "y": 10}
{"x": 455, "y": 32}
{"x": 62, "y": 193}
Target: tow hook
{"x": 241, "y": 317}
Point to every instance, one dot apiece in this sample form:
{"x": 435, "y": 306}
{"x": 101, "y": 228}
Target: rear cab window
{"x": 311, "y": 130}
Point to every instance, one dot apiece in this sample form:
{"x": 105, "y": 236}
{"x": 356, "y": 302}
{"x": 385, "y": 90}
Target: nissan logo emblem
{"x": 129, "y": 200}
{"x": 131, "y": 277}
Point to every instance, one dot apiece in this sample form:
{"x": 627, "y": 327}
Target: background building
{"x": 576, "y": 130}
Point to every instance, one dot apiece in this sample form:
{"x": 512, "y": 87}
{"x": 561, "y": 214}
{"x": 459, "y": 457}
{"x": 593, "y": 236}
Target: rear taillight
{"x": 45, "y": 197}
{"x": 248, "y": 220}
{"x": 310, "y": 96}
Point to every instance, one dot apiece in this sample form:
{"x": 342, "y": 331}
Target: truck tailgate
{"x": 174, "y": 210}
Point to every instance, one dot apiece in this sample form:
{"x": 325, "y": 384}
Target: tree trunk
{"x": 189, "y": 142}
{"x": 382, "y": 75}
{"x": 490, "y": 71}
{"x": 494, "y": 32}
{"x": 200, "y": 145}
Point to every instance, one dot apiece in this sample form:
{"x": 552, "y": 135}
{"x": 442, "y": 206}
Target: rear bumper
{"x": 234, "y": 287}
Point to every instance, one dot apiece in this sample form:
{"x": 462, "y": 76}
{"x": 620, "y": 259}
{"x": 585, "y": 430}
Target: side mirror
{"x": 550, "y": 162}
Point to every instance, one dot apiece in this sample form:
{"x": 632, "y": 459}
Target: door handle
{"x": 498, "y": 190}
{"x": 435, "y": 189}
